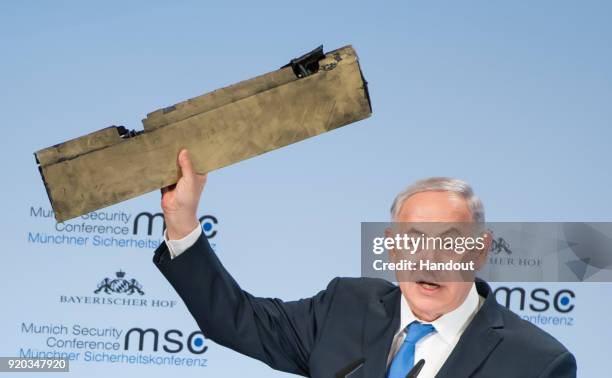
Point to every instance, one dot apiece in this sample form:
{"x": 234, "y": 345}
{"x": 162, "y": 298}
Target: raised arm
{"x": 281, "y": 334}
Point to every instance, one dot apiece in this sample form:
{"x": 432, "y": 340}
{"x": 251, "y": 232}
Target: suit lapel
{"x": 478, "y": 340}
{"x": 381, "y": 322}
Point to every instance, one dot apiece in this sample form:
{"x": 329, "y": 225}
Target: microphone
{"x": 349, "y": 369}
{"x": 416, "y": 369}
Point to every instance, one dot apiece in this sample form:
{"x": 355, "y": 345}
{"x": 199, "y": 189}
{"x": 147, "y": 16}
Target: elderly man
{"x": 359, "y": 326}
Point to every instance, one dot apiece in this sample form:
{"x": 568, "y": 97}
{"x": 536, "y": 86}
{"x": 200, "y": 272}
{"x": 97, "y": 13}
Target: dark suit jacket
{"x": 352, "y": 318}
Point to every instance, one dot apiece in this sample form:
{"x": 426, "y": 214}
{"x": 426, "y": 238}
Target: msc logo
{"x": 173, "y": 340}
{"x": 119, "y": 285}
{"x": 499, "y": 245}
{"x": 208, "y": 222}
{"x": 537, "y": 300}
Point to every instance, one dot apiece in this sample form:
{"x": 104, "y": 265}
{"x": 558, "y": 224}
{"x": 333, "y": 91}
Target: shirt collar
{"x": 449, "y": 326}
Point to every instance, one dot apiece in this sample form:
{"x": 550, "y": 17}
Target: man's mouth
{"x": 428, "y": 285}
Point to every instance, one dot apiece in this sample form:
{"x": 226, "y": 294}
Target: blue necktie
{"x": 404, "y": 359}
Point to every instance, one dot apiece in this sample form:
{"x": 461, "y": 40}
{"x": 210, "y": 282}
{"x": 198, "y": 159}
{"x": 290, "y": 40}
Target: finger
{"x": 185, "y": 164}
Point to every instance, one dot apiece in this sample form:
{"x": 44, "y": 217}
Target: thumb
{"x": 185, "y": 164}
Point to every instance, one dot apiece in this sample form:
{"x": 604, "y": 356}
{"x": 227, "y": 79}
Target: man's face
{"x": 430, "y": 300}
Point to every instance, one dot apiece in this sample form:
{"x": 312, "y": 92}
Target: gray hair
{"x": 446, "y": 184}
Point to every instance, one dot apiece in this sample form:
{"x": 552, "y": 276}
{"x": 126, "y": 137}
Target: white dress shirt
{"x": 438, "y": 345}
{"x": 434, "y": 348}
{"x": 176, "y": 247}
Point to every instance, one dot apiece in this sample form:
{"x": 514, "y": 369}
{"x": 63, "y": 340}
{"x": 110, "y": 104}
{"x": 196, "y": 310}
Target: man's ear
{"x": 389, "y": 233}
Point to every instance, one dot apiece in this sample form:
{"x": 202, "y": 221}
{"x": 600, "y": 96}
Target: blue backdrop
{"x": 511, "y": 96}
